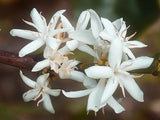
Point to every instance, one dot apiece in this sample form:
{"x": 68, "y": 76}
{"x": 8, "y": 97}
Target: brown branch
{"x": 16, "y": 61}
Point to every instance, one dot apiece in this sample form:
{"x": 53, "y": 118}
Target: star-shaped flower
{"x": 40, "y": 88}
{"x": 118, "y": 73}
{"x": 94, "y": 100}
{"x": 118, "y": 30}
{"x": 45, "y": 33}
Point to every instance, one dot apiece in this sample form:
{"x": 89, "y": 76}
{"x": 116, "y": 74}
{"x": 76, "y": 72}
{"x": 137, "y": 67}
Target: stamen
{"x": 121, "y": 85}
{"x": 124, "y": 31}
{"x": 40, "y": 100}
{"x": 127, "y": 38}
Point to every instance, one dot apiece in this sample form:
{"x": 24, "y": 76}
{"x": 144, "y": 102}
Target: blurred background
{"x": 142, "y": 15}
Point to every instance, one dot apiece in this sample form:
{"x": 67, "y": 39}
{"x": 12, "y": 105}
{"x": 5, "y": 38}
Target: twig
{"x": 13, "y": 59}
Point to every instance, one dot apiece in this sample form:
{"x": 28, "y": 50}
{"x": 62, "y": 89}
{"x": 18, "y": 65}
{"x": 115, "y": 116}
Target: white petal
{"x": 40, "y": 65}
{"x": 109, "y": 28}
{"x": 27, "y": 81}
{"x": 72, "y": 63}
{"x": 53, "y": 43}
{"x": 115, "y": 105}
{"x": 64, "y": 50}
{"x": 106, "y": 36}
{"x": 132, "y": 88}
{"x": 96, "y": 25}
{"x": 42, "y": 80}
{"x": 115, "y": 53}
{"x": 84, "y": 36}
{"x": 138, "y": 63}
{"x": 77, "y": 94}
{"x": 31, "y": 47}
{"x": 72, "y": 44}
{"x": 83, "y": 20}
{"x": 110, "y": 88}
{"x": 75, "y": 75}
{"x": 47, "y": 104}
{"x": 95, "y": 96}
{"x": 37, "y": 20}
{"x": 66, "y": 23}
{"x": 97, "y": 72}
{"x": 89, "y": 83}
{"x": 53, "y": 22}
{"x": 53, "y": 92}
{"x": 123, "y": 30}
{"x": 87, "y": 49}
{"x": 128, "y": 52}
{"x": 30, "y": 95}
{"x": 118, "y": 23}
{"x": 135, "y": 44}
{"x": 26, "y": 34}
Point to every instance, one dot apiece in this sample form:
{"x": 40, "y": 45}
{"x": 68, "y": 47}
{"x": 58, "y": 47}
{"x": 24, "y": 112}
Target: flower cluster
{"x": 101, "y": 39}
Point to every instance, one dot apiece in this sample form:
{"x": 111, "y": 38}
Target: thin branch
{"x": 13, "y": 59}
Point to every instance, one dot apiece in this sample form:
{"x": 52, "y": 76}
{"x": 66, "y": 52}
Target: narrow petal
{"x": 83, "y": 20}
{"x": 138, "y": 63}
{"x": 115, "y": 105}
{"x": 53, "y": 92}
{"x": 96, "y": 24}
{"x": 132, "y": 88}
{"x": 66, "y": 23}
{"x": 109, "y": 28}
{"x": 106, "y": 36}
{"x": 89, "y": 83}
{"x": 37, "y": 20}
{"x": 75, "y": 75}
{"x": 84, "y": 36}
{"x": 115, "y": 53}
{"x": 26, "y": 34}
{"x": 110, "y": 88}
{"x": 27, "y": 81}
{"x": 118, "y": 23}
{"x": 135, "y": 44}
{"x": 53, "y": 43}
{"x": 31, "y": 47}
{"x": 47, "y": 103}
{"x": 87, "y": 49}
{"x": 42, "y": 80}
{"x": 98, "y": 72}
{"x": 40, "y": 65}
{"x": 53, "y": 22}
{"x": 30, "y": 95}
{"x": 123, "y": 30}
{"x": 94, "y": 100}
{"x": 72, "y": 44}
{"x": 128, "y": 52}
{"x": 77, "y": 94}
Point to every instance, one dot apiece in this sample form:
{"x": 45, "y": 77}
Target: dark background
{"x": 142, "y": 15}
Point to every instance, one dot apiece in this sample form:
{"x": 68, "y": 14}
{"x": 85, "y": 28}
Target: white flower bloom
{"x": 118, "y": 73}
{"x": 94, "y": 99}
{"x": 118, "y": 29}
{"x": 44, "y": 35}
{"x": 53, "y": 58}
{"x": 40, "y": 88}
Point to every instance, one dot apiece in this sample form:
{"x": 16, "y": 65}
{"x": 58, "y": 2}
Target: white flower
{"x": 40, "y": 89}
{"x": 44, "y": 35}
{"x": 118, "y": 73}
{"x": 94, "y": 99}
{"x": 118, "y": 30}
{"x": 53, "y": 58}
